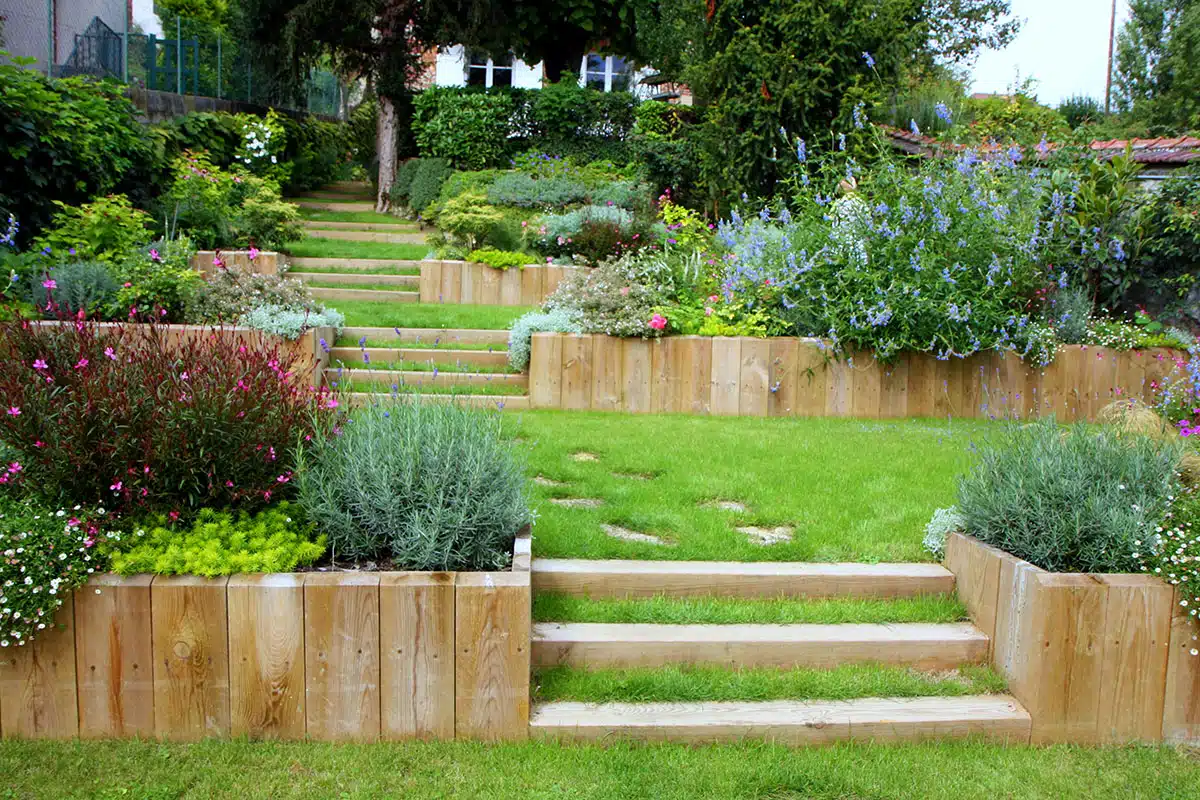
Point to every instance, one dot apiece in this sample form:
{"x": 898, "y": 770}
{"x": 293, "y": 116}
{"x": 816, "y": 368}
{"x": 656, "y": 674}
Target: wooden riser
{"x": 399, "y": 281}
{"x": 363, "y": 294}
{"x": 416, "y": 378}
{"x": 616, "y": 578}
{"x": 301, "y": 263}
{"x": 430, "y": 337}
{"x": 595, "y": 645}
{"x": 367, "y": 236}
{"x": 324, "y": 205}
{"x": 380, "y": 356}
{"x": 377, "y": 227}
{"x": 493, "y": 402}
{"x": 995, "y": 717}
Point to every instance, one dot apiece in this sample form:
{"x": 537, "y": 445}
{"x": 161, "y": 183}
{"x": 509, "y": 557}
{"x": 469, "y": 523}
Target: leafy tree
{"x": 1157, "y": 75}
{"x": 958, "y": 29}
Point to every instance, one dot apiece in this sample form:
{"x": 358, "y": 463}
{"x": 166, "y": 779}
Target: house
{"x": 456, "y": 65}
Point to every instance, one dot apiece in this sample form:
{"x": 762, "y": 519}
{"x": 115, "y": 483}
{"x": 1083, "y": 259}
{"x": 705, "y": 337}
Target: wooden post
{"x": 635, "y": 375}
{"x": 812, "y": 376}
{"x": 191, "y": 657}
{"x": 113, "y": 658}
{"x": 416, "y": 640}
{"x": 1181, "y": 704}
{"x": 783, "y": 378}
{"x": 266, "y": 656}
{"x": 431, "y": 281}
{"x": 922, "y": 374}
{"x": 839, "y": 388}
{"x": 491, "y": 634}
{"x": 451, "y": 285}
{"x": 606, "y": 373}
{"x": 694, "y": 356}
{"x": 664, "y": 382}
{"x": 976, "y": 569}
{"x": 726, "y": 375}
{"x": 545, "y": 370}
{"x": 37, "y": 683}
{"x": 510, "y": 287}
{"x": 489, "y": 290}
{"x": 577, "y": 371}
{"x": 533, "y": 285}
{"x": 867, "y": 381}
{"x": 341, "y": 650}
{"x": 754, "y": 390}
{"x": 893, "y": 388}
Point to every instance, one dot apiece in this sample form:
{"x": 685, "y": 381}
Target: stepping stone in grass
{"x": 542, "y": 480}
{"x": 727, "y": 505}
{"x": 626, "y": 535}
{"x": 634, "y": 476}
{"x": 767, "y": 536}
{"x": 584, "y": 456}
{"x": 577, "y": 502}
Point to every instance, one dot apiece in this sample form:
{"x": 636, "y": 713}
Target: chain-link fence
{"x": 97, "y": 37}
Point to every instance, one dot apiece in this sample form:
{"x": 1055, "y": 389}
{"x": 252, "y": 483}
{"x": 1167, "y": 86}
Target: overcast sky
{"x": 1063, "y": 44}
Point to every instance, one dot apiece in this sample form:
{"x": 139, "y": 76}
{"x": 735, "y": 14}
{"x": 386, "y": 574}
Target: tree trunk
{"x": 385, "y": 143}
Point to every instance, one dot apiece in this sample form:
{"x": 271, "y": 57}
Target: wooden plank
{"x": 622, "y": 578}
{"x": 38, "y": 683}
{"x": 947, "y": 387}
{"x": 191, "y": 657}
{"x": 545, "y": 370}
{"x": 635, "y": 374}
{"x": 510, "y": 287}
{"x": 533, "y": 285}
{"x": 695, "y": 387}
{"x": 1100, "y": 380}
{"x": 470, "y": 277}
{"x": 1134, "y": 649}
{"x": 1131, "y": 375}
{"x": 113, "y": 658}
{"x": 791, "y": 722}
{"x": 1013, "y": 638}
{"x": 754, "y": 387}
{"x": 976, "y": 569}
{"x": 839, "y": 388}
{"x": 726, "y": 375}
{"x": 450, "y": 290}
{"x": 893, "y": 388}
{"x": 812, "y": 376}
{"x": 975, "y": 371}
{"x": 1065, "y": 666}
{"x": 1181, "y": 704}
{"x": 341, "y": 652}
{"x": 783, "y": 378}
{"x": 577, "y": 371}
{"x": 866, "y": 379}
{"x": 416, "y": 639}
{"x": 922, "y": 378}
{"x": 431, "y": 281}
{"x": 489, "y": 290}
{"x": 555, "y": 274}
{"x": 606, "y": 373}
{"x": 597, "y": 645}
{"x": 664, "y": 386}
{"x": 491, "y": 665}
{"x": 266, "y": 656}
{"x": 523, "y": 551}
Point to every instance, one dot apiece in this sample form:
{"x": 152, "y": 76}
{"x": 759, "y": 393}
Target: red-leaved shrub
{"x": 145, "y": 416}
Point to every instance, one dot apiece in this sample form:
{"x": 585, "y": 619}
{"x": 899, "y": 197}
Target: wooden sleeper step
{"x": 434, "y": 355}
{"x": 322, "y": 293}
{"x": 382, "y": 227}
{"x": 429, "y": 337}
{"x": 367, "y": 236}
{"x": 927, "y": 646}
{"x": 308, "y": 262}
{"x": 995, "y": 717}
{"x": 418, "y": 378}
{"x": 350, "y": 280}
{"x": 516, "y": 402}
{"x": 619, "y": 578}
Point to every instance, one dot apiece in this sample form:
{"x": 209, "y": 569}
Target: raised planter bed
{"x": 265, "y": 262}
{"x": 797, "y": 377}
{"x": 1093, "y": 658}
{"x": 339, "y": 656}
{"x": 470, "y": 283}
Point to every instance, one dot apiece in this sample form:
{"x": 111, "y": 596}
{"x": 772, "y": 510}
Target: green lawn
{"x": 852, "y": 490}
{"x": 384, "y": 388}
{"x": 384, "y": 270}
{"x": 381, "y": 287}
{"x": 433, "y": 343}
{"x": 313, "y": 247}
{"x": 149, "y": 770}
{"x": 684, "y": 684}
{"x": 445, "y": 365}
{"x": 352, "y": 216}
{"x": 554, "y": 607}
{"x": 385, "y": 314}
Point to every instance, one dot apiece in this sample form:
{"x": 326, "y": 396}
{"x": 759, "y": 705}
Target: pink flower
{"x": 624, "y": 291}
{"x": 266, "y": 496}
{"x": 83, "y": 362}
{"x": 708, "y": 311}
{"x": 154, "y": 256}
{"x": 228, "y": 484}
{"x": 14, "y": 467}
{"x": 174, "y": 515}
{"x": 217, "y": 262}
{"x": 116, "y": 487}
{"x": 658, "y": 322}
{"x": 712, "y": 298}
{"x": 14, "y": 411}
{"x": 253, "y": 252}
{"x": 108, "y": 351}
{"x": 39, "y": 443}
{"x": 73, "y": 522}
{"x": 127, "y": 284}
{"x": 39, "y": 364}
{"x": 49, "y": 283}
{"x": 331, "y": 402}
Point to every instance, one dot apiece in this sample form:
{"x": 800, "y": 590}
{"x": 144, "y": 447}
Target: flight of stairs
{"x": 616, "y": 646}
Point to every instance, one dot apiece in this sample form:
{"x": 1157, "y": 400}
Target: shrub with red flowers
{"x": 152, "y": 418}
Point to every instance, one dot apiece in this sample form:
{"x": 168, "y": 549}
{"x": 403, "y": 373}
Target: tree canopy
{"x": 1157, "y": 74}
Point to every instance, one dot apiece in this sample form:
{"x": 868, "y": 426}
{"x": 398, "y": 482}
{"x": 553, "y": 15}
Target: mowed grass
{"x": 313, "y": 247}
{"x": 386, "y": 388}
{"x": 683, "y": 684}
{"x": 313, "y": 215}
{"x": 431, "y": 342}
{"x": 852, "y": 490}
{"x": 380, "y": 287}
{"x": 970, "y": 770}
{"x": 447, "y": 364}
{"x": 384, "y": 270}
{"x": 555, "y": 607}
{"x": 386, "y": 314}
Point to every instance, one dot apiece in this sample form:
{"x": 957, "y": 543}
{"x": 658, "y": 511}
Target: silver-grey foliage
{"x": 426, "y": 485}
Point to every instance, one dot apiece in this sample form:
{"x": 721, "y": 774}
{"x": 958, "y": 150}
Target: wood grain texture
{"x": 37, "y": 683}
{"x": 113, "y": 658}
{"x": 754, "y": 388}
{"x": 577, "y": 371}
{"x": 976, "y": 569}
{"x": 450, "y": 289}
{"x": 416, "y": 639}
{"x": 606, "y": 373}
{"x": 191, "y": 657}
{"x": 726, "y": 375}
{"x": 491, "y": 635}
{"x": 866, "y": 378}
{"x": 545, "y": 370}
{"x": 783, "y": 378}
{"x": 1181, "y": 705}
{"x": 266, "y": 656}
{"x": 430, "y": 285}
{"x": 635, "y": 375}
{"x": 510, "y": 287}
{"x": 341, "y": 648}
{"x": 893, "y": 388}
{"x": 489, "y": 287}
{"x": 695, "y": 388}
{"x": 664, "y": 382}
{"x": 1134, "y": 651}
{"x": 812, "y": 376}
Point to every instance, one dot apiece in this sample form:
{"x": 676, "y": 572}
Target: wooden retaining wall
{"x": 265, "y": 262}
{"x": 338, "y": 656}
{"x": 478, "y": 284}
{"x": 1094, "y": 658}
{"x": 796, "y": 377}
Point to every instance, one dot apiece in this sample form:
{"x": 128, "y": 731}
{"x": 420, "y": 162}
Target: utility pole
{"x": 1112, "y": 35}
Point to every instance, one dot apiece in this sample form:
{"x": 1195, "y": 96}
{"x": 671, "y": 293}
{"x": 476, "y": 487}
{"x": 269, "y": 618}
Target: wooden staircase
{"x": 924, "y": 646}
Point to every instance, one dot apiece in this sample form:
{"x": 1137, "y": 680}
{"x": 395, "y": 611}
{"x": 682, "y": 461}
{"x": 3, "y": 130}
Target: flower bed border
{"x": 787, "y": 376}
{"x": 265, "y": 262}
{"x": 471, "y": 283}
{"x": 337, "y": 656}
{"x": 1094, "y": 658}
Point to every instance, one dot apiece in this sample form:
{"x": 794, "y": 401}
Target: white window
{"x": 605, "y": 73}
{"x": 482, "y": 70}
